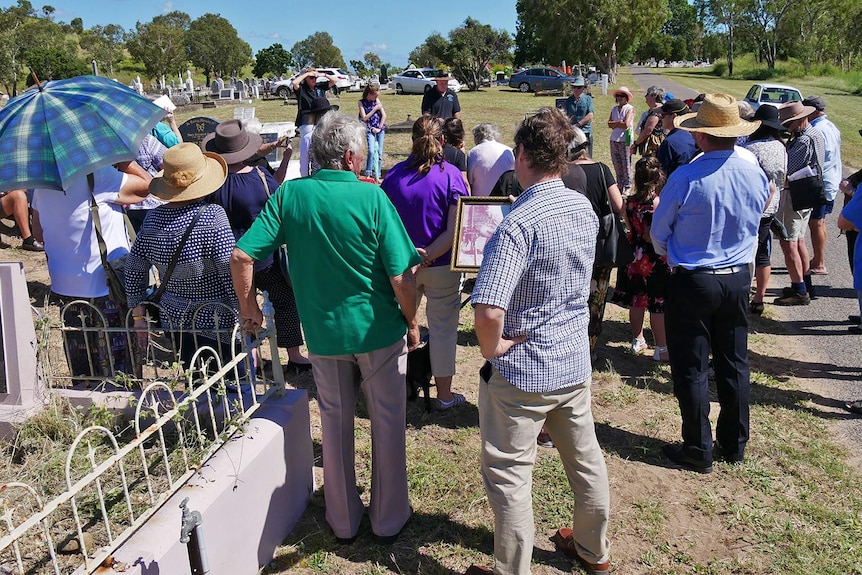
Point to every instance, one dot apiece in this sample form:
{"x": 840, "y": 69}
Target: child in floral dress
{"x": 641, "y": 284}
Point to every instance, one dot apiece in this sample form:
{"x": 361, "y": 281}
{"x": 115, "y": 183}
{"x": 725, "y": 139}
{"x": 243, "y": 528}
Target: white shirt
{"x": 74, "y": 263}
{"x": 485, "y": 164}
{"x": 832, "y": 166}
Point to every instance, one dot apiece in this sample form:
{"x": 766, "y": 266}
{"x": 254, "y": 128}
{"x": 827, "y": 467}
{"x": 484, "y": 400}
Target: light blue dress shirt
{"x": 709, "y": 211}
{"x": 832, "y": 166}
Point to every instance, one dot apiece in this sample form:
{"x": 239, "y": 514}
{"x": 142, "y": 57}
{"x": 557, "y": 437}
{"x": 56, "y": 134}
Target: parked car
{"x": 419, "y": 81}
{"x": 772, "y": 94}
{"x": 284, "y": 88}
{"x": 537, "y": 79}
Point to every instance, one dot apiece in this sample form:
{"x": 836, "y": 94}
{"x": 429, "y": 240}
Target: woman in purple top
{"x": 425, "y": 189}
{"x": 372, "y": 113}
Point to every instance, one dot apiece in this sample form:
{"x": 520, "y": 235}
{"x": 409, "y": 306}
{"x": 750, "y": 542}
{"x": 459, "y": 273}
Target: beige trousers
{"x": 381, "y": 376}
{"x": 442, "y": 291}
{"x": 509, "y": 421}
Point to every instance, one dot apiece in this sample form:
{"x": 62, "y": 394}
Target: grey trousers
{"x": 381, "y": 376}
{"x": 509, "y": 421}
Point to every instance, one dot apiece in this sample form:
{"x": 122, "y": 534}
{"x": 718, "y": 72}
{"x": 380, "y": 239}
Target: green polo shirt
{"x": 344, "y": 240}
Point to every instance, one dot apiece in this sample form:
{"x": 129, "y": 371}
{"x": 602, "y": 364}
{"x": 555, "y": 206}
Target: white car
{"x": 343, "y": 81}
{"x": 419, "y": 81}
{"x": 772, "y": 95}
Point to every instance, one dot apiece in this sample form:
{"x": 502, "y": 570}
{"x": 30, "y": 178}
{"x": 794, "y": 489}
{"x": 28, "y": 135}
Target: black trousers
{"x": 709, "y": 312}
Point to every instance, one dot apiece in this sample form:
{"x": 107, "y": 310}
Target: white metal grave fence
{"x": 112, "y": 487}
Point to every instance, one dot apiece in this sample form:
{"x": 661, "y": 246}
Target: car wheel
{"x": 334, "y": 90}
{"x": 282, "y": 92}
{"x": 399, "y": 89}
{"x": 426, "y": 88}
{"x": 524, "y": 87}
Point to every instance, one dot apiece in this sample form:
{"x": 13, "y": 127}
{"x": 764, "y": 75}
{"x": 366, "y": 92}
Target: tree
{"x": 372, "y": 60}
{"x": 359, "y": 67}
{"x": 104, "y": 44}
{"x": 317, "y": 50}
{"x": 596, "y": 30}
{"x": 213, "y": 45}
{"x": 430, "y": 53}
{"x": 160, "y": 44}
{"x": 473, "y": 47}
{"x": 16, "y": 22}
{"x": 53, "y": 63}
{"x": 274, "y": 60}
{"x": 764, "y": 19}
{"x": 724, "y": 15}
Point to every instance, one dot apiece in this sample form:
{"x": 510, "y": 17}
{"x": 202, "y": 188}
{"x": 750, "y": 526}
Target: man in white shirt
{"x": 488, "y": 160}
{"x": 831, "y": 180}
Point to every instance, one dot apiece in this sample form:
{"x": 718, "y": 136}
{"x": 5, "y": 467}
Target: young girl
{"x": 642, "y": 283}
{"x": 372, "y": 113}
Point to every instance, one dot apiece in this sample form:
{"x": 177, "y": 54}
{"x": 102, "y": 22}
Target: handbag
{"x": 612, "y": 247}
{"x": 280, "y": 254}
{"x": 115, "y": 269}
{"x": 156, "y": 296}
{"x": 808, "y": 192}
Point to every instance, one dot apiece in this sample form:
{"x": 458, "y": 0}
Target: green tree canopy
{"x": 16, "y": 25}
{"x": 430, "y": 53}
{"x": 274, "y": 60}
{"x": 104, "y": 44}
{"x": 213, "y": 45}
{"x": 473, "y": 47}
{"x": 591, "y": 30}
{"x": 317, "y": 50}
{"x": 160, "y": 44}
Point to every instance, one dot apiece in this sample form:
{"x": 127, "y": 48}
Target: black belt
{"x": 679, "y": 270}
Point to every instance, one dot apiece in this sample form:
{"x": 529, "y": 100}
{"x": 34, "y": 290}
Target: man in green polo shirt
{"x": 351, "y": 265}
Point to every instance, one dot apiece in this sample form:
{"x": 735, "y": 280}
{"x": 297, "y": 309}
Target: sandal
{"x": 638, "y": 345}
{"x": 854, "y": 406}
{"x": 457, "y": 399}
{"x": 660, "y": 353}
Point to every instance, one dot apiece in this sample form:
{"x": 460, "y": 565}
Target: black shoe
{"x": 298, "y": 367}
{"x": 855, "y": 329}
{"x": 854, "y": 319}
{"x": 755, "y": 308}
{"x": 346, "y": 540}
{"x": 719, "y": 454}
{"x": 678, "y": 454}
{"x": 390, "y": 539}
{"x": 793, "y": 299}
{"x": 31, "y": 244}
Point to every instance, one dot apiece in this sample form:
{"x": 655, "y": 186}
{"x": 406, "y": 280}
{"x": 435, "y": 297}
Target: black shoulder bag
{"x": 280, "y": 255}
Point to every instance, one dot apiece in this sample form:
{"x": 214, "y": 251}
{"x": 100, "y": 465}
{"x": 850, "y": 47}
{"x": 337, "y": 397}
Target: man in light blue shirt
{"x": 706, "y": 222}
{"x": 832, "y": 175}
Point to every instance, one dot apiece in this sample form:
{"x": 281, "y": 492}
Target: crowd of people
{"x": 713, "y": 184}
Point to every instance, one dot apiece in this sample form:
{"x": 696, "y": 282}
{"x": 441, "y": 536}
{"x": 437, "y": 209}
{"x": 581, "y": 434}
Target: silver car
{"x": 772, "y": 95}
{"x": 419, "y": 81}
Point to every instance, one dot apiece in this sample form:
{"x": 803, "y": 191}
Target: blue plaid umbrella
{"x": 65, "y": 129}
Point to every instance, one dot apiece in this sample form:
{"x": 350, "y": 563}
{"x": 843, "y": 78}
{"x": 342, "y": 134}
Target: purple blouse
{"x": 423, "y": 201}
{"x": 373, "y": 120}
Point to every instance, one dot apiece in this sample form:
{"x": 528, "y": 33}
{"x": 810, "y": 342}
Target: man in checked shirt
{"x": 531, "y": 321}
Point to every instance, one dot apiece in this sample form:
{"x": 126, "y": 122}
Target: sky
{"x": 389, "y": 28}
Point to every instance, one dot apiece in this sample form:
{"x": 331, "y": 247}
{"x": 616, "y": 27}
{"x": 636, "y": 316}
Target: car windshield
{"x": 779, "y": 95}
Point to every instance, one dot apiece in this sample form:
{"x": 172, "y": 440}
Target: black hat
{"x": 321, "y": 105}
{"x": 768, "y": 116}
{"x": 675, "y": 106}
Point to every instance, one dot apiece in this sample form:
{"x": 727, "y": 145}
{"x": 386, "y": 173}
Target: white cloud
{"x": 376, "y": 48}
{"x": 168, "y": 6}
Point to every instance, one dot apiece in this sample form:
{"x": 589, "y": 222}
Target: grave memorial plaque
{"x": 268, "y": 137}
{"x": 225, "y": 94}
{"x": 242, "y": 113}
{"x": 197, "y": 129}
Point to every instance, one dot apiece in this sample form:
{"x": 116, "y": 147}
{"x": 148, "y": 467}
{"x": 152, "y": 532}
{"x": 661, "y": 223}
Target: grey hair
{"x": 657, "y": 92}
{"x": 746, "y": 112}
{"x": 333, "y": 135}
{"x": 252, "y": 125}
{"x": 486, "y": 132}
{"x": 577, "y": 147}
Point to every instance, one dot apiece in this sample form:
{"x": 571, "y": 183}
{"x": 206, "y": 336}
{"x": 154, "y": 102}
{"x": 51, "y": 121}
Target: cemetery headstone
{"x": 196, "y": 129}
{"x": 225, "y": 94}
{"x": 242, "y": 113}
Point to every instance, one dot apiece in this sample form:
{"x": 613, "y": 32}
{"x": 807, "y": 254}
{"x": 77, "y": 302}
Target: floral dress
{"x": 643, "y": 282}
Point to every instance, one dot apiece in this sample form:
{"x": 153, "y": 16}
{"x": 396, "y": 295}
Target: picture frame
{"x": 477, "y": 218}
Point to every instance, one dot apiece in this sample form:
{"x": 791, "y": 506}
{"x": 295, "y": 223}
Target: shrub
{"x": 719, "y": 69}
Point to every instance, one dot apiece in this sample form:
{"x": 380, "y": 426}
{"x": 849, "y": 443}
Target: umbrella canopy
{"x": 65, "y": 129}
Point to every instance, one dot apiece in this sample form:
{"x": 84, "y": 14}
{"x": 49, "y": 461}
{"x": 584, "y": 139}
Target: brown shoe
{"x": 793, "y": 299}
{"x": 478, "y": 570}
{"x": 565, "y": 540}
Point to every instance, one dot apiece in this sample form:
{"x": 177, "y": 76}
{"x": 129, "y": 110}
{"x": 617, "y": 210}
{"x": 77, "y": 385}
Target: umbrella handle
{"x": 36, "y": 79}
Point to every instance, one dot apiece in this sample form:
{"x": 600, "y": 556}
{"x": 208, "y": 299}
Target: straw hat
{"x": 718, "y": 115}
{"x": 622, "y": 90}
{"x": 189, "y": 174}
{"x": 232, "y": 142}
{"x": 794, "y": 111}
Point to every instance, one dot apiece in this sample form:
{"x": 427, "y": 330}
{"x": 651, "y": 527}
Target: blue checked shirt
{"x": 537, "y": 267}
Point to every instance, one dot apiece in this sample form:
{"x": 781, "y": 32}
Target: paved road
{"x": 836, "y": 355}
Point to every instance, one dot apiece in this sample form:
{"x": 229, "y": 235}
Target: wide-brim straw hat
{"x": 232, "y": 142}
{"x": 189, "y": 174}
{"x": 718, "y": 115}
{"x": 794, "y": 111}
{"x": 622, "y": 90}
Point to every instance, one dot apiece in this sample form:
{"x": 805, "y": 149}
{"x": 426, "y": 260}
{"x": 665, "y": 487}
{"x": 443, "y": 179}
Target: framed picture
{"x": 477, "y": 220}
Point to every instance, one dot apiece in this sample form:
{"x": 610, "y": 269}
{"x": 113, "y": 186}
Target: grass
{"x": 795, "y": 502}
